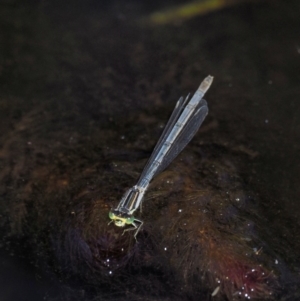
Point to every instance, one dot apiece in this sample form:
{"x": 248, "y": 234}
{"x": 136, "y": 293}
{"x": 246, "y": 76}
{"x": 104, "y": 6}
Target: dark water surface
{"x": 86, "y": 89}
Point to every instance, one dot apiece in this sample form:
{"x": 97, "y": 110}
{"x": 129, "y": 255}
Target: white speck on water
{"x": 29, "y": 142}
{"x": 276, "y": 261}
{"x": 237, "y": 199}
{"x": 180, "y": 210}
{"x": 216, "y": 290}
{"x": 165, "y": 248}
{"x": 122, "y": 137}
{"x": 267, "y": 121}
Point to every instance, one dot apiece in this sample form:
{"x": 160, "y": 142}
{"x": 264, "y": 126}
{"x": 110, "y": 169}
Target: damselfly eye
{"x": 111, "y": 215}
{"x": 130, "y": 220}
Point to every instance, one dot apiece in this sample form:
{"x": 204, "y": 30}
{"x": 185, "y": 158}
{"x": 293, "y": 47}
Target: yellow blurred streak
{"x": 188, "y": 11}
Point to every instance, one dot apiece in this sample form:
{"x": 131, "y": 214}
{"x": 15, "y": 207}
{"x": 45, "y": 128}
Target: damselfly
{"x": 183, "y": 124}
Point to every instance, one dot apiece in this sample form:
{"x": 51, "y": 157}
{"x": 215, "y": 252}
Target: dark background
{"x": 79, "y": 76}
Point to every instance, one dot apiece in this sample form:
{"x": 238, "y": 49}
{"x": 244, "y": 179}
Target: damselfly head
{"x": 121, "y": 219}
{"x": 119, "y": 222}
